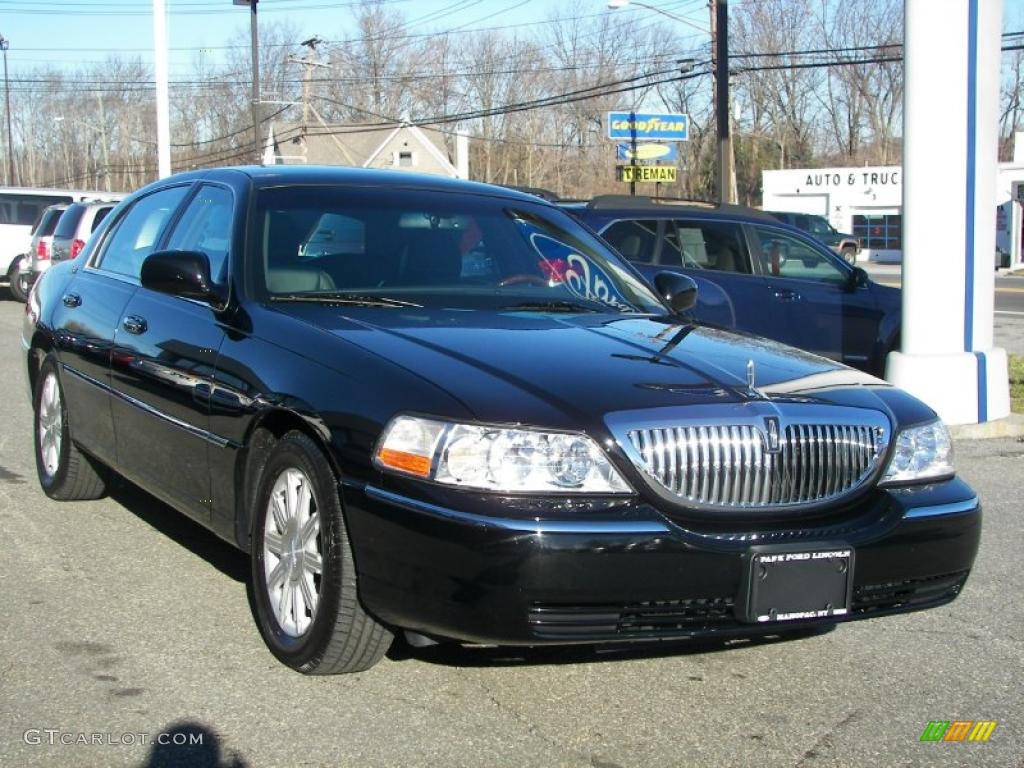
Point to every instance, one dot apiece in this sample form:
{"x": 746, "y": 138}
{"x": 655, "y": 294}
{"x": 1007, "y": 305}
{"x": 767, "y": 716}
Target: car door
{"x": 713, "y": 253}
{"x": 812, "y": 292}
{"x": 89, "y": 313}
{"x": 165, "y": 350}
{"x": 716, "y": 252}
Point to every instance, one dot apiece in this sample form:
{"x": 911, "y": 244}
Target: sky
{"x": 66, "y": 33}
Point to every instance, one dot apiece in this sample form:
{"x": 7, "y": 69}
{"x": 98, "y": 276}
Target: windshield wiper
{"x": 554, "y": 306}
{"x": 353, "y": 299}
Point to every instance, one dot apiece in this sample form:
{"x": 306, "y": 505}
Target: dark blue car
{"x": 755, "y": 274}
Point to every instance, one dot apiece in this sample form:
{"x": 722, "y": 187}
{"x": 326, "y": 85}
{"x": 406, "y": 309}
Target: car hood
{"x": 568, "y": 370}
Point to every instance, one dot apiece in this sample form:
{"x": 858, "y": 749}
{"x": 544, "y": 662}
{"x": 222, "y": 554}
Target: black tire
{"x": 18, "y": 275}
{"x": 75, "y": 476}
{"x": 341, "y": 637}
{"x": 849, "y": 254}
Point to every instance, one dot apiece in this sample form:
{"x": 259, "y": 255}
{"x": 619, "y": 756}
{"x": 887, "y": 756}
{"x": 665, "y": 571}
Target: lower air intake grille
{"x": 907, "y": 594}
{"x": 653, "y": 618}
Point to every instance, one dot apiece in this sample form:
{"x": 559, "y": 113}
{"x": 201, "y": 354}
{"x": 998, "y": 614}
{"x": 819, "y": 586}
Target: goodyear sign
{"x": 638, "y": 126}
{"x": 646, "y": 151}
{"x": 648, "y": 173}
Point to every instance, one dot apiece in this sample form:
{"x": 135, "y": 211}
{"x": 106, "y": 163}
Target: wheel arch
{"x": 39, "y": 348}
{"x": 267, "y": 428}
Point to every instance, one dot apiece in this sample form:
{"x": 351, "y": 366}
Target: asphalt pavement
{"x": 1009, "y": 303}
{"x": 123, "y": 618}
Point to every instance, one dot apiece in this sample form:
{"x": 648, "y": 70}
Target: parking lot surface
{"x": 123, "y": 618}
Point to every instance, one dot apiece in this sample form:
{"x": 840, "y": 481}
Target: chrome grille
{"x": 731, "y": 465}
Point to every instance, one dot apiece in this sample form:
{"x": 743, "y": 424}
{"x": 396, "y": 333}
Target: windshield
{"x": 68, "y": 222}
{"x": 398, "y": 247}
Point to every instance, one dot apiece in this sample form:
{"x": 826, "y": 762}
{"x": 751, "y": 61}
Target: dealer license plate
{"x": 798, "y": 582}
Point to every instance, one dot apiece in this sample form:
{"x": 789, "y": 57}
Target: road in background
{"x": 1009, "y": 303}
{"x": 122, "y": 617}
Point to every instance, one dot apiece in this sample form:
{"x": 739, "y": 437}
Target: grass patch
{"x": 1017, "y": 383}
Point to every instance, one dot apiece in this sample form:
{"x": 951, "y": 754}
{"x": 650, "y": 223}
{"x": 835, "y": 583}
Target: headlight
{"x": 922, "y": 453}
{"x": 500, "y": 459}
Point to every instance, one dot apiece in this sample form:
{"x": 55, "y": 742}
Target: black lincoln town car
{"x": 448, "y": 409}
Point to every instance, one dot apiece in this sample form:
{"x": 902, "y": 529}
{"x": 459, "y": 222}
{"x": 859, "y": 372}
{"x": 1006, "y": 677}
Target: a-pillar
{"x": 950, "y": 130}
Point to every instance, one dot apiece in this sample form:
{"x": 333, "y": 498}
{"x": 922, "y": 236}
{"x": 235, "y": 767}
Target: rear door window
{"x": 712, "y": 245}
{"x": 136, "y": 234}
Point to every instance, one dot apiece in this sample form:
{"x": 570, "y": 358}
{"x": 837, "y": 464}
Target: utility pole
{"x": 307, "y": 80}
{"x": 103, "y": 138}
{"x": 11, "y": 178}
{"x": 725, "y": 181}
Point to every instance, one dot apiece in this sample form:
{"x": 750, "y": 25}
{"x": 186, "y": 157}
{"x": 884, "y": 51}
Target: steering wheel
{"x": 522, "y": 279}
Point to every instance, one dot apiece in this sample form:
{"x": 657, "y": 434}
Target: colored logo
{"x": 640, "y": 126}
{"x": 958, "y": 730}
{"x": 649, "y": 151}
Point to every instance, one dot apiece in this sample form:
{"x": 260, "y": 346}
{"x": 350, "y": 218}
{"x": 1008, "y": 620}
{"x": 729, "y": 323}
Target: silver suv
{"x": 76, "y": 225}
{"x": 42, "y": 240}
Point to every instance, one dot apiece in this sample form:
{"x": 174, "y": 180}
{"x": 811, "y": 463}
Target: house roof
{"x": 346, "y": 143}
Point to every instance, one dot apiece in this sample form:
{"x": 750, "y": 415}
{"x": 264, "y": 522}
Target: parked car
{"x": 20, "y": 209}
{"x": 76, "y": 226}
{"x": 755, "y": 274}
{"x": 41, "y": 248}
{"x": 470, "y": 420}
{"x": 819, "y": 228}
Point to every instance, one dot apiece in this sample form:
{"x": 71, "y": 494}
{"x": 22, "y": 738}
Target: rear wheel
{"x": 65, "y": 473}
{"x": 303, "y": 584}
{"x": 849, "y": 253}
{"x": 19, "y": 275}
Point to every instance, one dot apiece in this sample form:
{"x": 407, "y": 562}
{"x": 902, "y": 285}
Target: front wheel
{"x": 303, "y": 583}
{"x": 19, "y": 275}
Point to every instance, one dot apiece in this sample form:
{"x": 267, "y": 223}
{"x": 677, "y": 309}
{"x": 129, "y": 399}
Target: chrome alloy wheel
{"x": 292, "y": 556}
{"x": 50, "y": 425}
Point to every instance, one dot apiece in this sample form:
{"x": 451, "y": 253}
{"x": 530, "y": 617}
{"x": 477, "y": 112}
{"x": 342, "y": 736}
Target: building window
{"x": 879, "y": 231}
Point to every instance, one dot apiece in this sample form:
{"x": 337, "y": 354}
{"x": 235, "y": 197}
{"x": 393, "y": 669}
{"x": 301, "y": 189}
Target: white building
{"x": 867, "y": 202}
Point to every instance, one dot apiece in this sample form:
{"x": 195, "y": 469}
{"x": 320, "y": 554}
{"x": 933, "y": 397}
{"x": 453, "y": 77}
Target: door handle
{"x": 134, "y": 324}
{"x": 72, "y": 300}
{"x": 785, "y": 294}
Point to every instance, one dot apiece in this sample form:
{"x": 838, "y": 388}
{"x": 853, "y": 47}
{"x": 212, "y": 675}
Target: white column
{"x": 462, "y": 153}
{"x": 163, "y": 119}
{"x": 950, "y": 112}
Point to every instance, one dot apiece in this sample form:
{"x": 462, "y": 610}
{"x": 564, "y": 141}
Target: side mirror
{"x": 678, "y": 291}
{"x": 858, "y": 279}
{"x": 180, "y": 273}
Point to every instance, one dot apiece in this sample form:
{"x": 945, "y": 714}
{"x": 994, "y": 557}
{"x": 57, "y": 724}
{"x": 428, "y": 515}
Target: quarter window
{"x": 206, "y": 226}
{"x": 636, "y": 240}
{"x": 136, "y": 234}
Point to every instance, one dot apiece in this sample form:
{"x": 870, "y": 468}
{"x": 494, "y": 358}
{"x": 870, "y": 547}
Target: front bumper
{"x": 509, "y": 572}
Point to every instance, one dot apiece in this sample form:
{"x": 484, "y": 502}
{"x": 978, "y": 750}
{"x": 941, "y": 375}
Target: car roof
{"x": 283, "y": 175}
{"x": 629, "y": 206}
